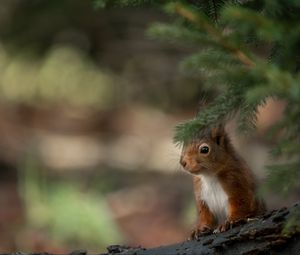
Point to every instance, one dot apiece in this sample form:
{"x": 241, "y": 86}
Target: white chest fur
{"x": 214, "y": 196}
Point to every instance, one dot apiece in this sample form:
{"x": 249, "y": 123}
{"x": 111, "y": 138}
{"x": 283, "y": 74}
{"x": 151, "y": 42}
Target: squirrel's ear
{"x": 218, "y": 134}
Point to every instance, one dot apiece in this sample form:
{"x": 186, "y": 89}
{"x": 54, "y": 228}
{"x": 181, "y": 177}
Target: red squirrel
{"x": 224, "y": 186}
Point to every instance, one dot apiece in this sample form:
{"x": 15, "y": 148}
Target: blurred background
{"x": 87, "y": 114}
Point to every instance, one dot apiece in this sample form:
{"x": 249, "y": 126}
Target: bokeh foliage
{"x": 45, "y": 62}
{"x": 67, "y": 212}
{"x": 53, "y": 79}
{"x": 45, "y": 58}
{"x": 250, "y": 50}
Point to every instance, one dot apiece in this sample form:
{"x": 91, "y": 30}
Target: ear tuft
{"x": 218, "y": 134}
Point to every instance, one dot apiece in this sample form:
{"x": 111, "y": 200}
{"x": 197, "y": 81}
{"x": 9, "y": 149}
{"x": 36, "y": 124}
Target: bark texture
{"x": 259, "y": 236}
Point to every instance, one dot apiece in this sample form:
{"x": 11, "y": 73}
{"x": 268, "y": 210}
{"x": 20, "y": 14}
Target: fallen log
{"x": 262, "y": 235}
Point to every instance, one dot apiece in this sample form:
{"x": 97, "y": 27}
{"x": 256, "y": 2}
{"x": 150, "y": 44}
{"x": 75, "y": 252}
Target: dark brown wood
{"x": 262, "y": 235}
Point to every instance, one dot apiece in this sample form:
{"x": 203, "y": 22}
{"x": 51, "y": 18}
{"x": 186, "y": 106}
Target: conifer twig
{"x": 215, "y": 11}
{"x": 215, "y": 33}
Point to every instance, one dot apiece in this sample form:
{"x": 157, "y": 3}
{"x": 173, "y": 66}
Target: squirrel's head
{"x": 206, "y": 153}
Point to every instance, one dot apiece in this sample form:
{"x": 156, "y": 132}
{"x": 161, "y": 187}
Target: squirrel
{"x": 224, "y": 185}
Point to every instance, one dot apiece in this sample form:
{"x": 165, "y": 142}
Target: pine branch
{"x": 177, "y": 34}
{"x": 223, "y": 108}
{"x": 215, "y": 11}
{"x": 201, "y": 22}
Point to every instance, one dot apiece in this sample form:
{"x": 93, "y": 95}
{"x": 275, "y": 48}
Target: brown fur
{"x": 234, "y": 175}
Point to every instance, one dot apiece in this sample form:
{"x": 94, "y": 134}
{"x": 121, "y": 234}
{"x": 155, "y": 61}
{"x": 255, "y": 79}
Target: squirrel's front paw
{"x": 198, "y": 232}
{"x": 223, "y": 227}
{"x": 229, "y": 224}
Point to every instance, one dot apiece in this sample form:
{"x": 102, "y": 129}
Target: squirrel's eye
{"x": 204, "y": 148}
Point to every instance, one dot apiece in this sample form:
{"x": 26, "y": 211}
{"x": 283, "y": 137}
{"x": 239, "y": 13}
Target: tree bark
{"x": 262, "y": 235}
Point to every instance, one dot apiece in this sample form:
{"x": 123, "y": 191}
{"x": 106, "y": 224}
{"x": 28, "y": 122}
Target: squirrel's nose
{"x": 182, "y": 162}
